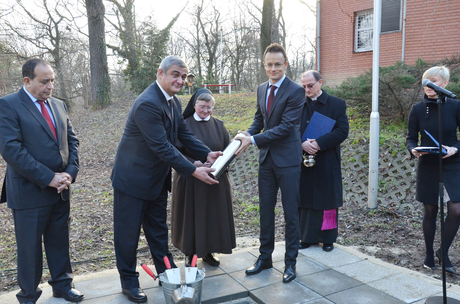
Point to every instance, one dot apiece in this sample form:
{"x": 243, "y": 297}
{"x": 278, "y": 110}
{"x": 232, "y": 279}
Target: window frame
{"x": 359, "y": 30}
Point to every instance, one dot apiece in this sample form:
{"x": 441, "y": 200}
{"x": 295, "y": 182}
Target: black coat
{"x": 424, "y": 116}
{"x": 321, "y": 185}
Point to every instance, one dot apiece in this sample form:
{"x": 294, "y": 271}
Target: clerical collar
{"x": 197, "y": 118}
{"x": 164, "y": 92}
{"x": 321, "y": 92}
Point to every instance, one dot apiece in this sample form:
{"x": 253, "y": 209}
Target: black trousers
{"x": 130, "y": 214}
{"x": 51, "y": 223}
{"x": 271, "y": 178}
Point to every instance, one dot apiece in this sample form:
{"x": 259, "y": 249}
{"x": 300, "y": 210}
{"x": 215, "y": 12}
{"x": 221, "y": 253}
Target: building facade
{"x": 430, "y": 31}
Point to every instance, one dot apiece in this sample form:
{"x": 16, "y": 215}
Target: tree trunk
{"x": 265, "y": 34}
{"x": 100, "y": 81}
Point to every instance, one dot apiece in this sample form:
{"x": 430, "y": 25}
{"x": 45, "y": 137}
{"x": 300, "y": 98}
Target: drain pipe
{"x": 403, "y": 51}
{"x": 318, "y": 35}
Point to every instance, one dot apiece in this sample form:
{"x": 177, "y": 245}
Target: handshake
{"x": 245, "y": 139}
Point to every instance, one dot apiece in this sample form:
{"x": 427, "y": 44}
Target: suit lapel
{"x": 263, "y": 101}
{"x": 165, "y": 106}
{"x": 30, "y": 106}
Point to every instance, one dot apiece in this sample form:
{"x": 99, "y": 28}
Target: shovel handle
{"x": 148, "y": 270}
{"x": 167, "y": 263}
{"x": 195, "y": 258}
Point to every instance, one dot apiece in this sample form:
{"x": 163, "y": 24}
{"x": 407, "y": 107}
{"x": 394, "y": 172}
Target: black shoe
{"x": 71, "y": 295}
{"x": 449, "y": 267}
{"x": 303, "y": 245}
{"x": 328, "y": 247}
{"x": 211, "y": 260}
{"x": 289, "y": 273}
{"x": 429, "y": 262}
{"x": 259, "y": 265}
{"x": 135, "y": 295}
{"x": 188, "y": 260}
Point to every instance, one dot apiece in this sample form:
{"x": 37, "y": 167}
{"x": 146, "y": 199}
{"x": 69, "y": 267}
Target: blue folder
{"x": 319, "y": 125}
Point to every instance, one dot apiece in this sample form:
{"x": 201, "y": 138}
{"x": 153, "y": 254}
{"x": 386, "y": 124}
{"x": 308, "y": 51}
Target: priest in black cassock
{"x": 321, "y": 192}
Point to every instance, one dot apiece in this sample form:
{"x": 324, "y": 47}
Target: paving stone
{"x": 289, "y": 293}
{"x": 318, "y": 301}
{"x": 335, "y": 258}
{"x": 328, "y": 282}
{"x": 264, "y": 278}
{"x": 97, "y": 288}
{"x": 237, "y": 262}
{"x": 222, "y": 288}
{"x": 366, "y": 271}
{"x": 304, "y": 266}
{"x": 277, "y": 255}
{"x": 362, "y": 295}
{"x": 408, "y": 288}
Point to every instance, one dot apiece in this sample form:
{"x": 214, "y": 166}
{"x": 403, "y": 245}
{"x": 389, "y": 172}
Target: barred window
{"x": 363, "y": 30}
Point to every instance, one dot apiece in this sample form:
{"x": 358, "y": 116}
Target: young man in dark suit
{"x": 141, "y": 175}
{"x": 41, "y": 152}
{"x": 279, "y": 105}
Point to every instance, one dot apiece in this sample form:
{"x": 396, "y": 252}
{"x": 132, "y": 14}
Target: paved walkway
{"x": 343, "y": 276}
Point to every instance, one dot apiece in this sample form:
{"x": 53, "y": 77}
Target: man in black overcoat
{"x": 41, "y": 152}
{"x": 321, "y": 191}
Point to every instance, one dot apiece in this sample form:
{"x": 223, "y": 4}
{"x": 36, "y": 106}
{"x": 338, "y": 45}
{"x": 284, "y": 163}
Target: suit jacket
{"x": 321, "y": 185}
{"x": 281, "y": 127}
{"x": 32, "y": 153}
{"x": 147, "y": 148}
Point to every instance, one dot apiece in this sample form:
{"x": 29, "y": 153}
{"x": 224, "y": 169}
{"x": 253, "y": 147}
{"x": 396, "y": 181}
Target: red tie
{"x": 46, "y": 114}
{"x": 271, "y": 97}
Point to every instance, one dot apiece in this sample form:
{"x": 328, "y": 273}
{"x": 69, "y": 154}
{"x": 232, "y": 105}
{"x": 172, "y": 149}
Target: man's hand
{"x": 310, "y": 146}
{"x": 245, "y": 139}
{"x": 202, "y": 173}
{"x": 212, "y": 156}
{"x": 198, "y": 164}
{"x": 61, "y": 181}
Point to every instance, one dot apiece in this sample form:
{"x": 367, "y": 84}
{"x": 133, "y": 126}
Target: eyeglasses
{"x": 276, "y": 65}
{"x": 204, "y": 108}
{"x": 310, "y": 85}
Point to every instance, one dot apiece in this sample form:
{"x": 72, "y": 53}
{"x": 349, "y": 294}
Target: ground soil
{"x": 394, "y": 237}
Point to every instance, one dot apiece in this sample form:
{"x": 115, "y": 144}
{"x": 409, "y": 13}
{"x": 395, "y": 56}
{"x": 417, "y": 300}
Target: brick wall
{"x": 428, "y": 23}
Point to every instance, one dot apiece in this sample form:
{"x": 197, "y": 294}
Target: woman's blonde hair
{"x": 442, "y": 71}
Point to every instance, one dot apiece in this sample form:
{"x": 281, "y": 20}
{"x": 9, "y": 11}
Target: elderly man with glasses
{"x": 321, "y": 191}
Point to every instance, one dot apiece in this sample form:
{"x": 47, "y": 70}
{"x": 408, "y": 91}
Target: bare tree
{"x": 50, "y": 35}
{"x": 266, "y": 32}
{"x": 100, "y": 81}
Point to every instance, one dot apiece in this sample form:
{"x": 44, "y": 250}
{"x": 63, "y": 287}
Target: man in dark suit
{"x": 321, "y": 191}
{"x": 41, "y": 152}
{"x": 141, "y": 175}
{"x": 279, "y": 104}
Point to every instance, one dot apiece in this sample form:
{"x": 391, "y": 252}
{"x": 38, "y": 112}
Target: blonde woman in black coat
{"x": 424, "y": 116}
